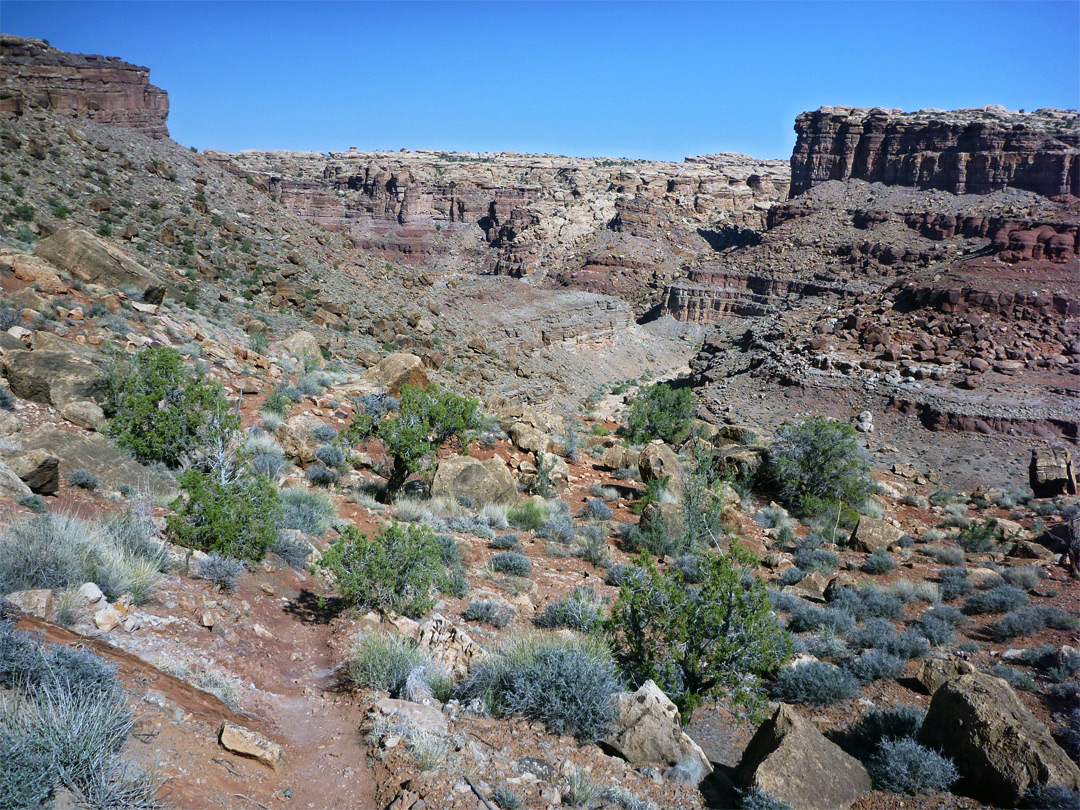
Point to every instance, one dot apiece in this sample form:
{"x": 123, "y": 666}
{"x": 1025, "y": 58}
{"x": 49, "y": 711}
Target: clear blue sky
{"x": 637, "y": 80}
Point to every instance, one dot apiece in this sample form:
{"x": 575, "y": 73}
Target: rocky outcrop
{"x": 95, "y": 261}
{"x": 1000, "y": 748}
{"x": 1051, "y": 472}
{"x": 973, "y": 151}
{"x": 102, "y": 89}
{"x": 55, "y": 373}
{"x": 793, "y": 761}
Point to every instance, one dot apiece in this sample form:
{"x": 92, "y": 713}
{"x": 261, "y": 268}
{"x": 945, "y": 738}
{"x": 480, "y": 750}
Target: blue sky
{"x": 644, "y": 80}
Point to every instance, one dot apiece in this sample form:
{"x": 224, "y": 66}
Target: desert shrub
{"x": 581, "y": 790}
{"x": 904, "y": 766}
{"x": 596, "y": 509}
{"x": 819, "y": 459}
{"x": 567, "y": 684}
{"x": 306, "y": 510}
{"x": 978, "y": 537}
{"x": 875, "y": 665}
{"x": 772, "y": 517}
{"x": 792, "y": 576}
{"x": 873, "y": 635}
{"x": 908, "y": 645}
{"x": 237, "y": 518}
{"x": 488, "y": 611}
{"x": 394, "y": 571}
{"x": 1029, "y": 620}
{"x": 330, "y": 456}
{"x": 954, "y": 583}
{"x": 58, "y": 551}
{"x": 660, "y": 412}
{"x": 319, "y": 475}
{"x": 919, "y": 591}
{"x": 528, "y": 516}
{"x": 426, "y": 420}
{"x": 807, "y": 618}
{"x": 385, "y": 661}
{"x": 160, "y": 409}
{"x": 579, "y": 610}
{"x": 1016, "y": 678}
{"x": 325, "y": 434}
{"x": 505, "y": 542}
{"x": 35, "y": 503}
{"x": 948, "y": 614}
{"x": 815, "y": 683}
{"x": 998, "y": 600}
{"x": 718, "y": 637}
{"x": 1023, "y": 576}
{"x": 1051, "y": 797}
{"x": 84, "y": 479}
{"x": 494, "y": 516}
{"x": 453, "y": 581}
{"x": 820, "y": 645}
{"x": 758, "y": 799}
{"x": 880, "y": 562}
{"x": 512, "y": 563}
{"x": 222, "y": 571}
{"x": 880, "y": 725}
{"x": 617, "y": 574}
{"x": 293, "y": 551}
{"x": 946, "y": 555}
{"x": 936, "y": 631}
{"x": 654, "y": 538}
{"x": 817, "y": 560}
{"x": 265, "y": 456}
{"x": 506, "y": 798}
{"x": 1060, "y": 664}
{"x": 558, "y": 530}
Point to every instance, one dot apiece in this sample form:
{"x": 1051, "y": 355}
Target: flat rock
{"x": 250, "y": 743}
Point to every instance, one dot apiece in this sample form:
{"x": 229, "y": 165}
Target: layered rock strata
{"x": 974, "y": 151}
{"x": 103, "y": 89}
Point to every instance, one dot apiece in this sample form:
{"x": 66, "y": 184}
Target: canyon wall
{"x": 973, "y": 151}
{"x": 103, "y": 89}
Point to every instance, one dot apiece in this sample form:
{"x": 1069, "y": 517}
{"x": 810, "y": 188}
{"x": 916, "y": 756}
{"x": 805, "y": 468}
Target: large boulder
{"x": 293, "y": 441}
{"x": 85, "y": 414}
{"x": 94, "y": 453}
{"x": 96, "y": 261}
{"x": 658, "y": 461}
{"x": 303, "y": 346}
{"x": 1051, "y": 472}
{"x": 39, "y": 469}
{"x": 11, "y": 484}
{"x": 935, "y": 672}
{"x": 1000, "y": 748}
{"x": 483, "y": 482}
{"x": 790, "y": 759}
{"x": 55, "y": 373}
{"x": 529, "y": 439}
{"x": 649, "y": 730}
{"x": 397, "y": 370}
{"x": 871, "y": 534}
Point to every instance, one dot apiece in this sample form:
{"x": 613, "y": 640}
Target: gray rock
{"x": 483, "y": 482}
{"x": 649, "y": 730}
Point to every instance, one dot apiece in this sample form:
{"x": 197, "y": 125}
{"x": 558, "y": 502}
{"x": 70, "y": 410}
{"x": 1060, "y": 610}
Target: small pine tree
{"x": 660, "y": 412}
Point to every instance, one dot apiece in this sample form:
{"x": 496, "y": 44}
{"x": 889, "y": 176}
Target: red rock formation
{"x": 964, "y": 151}
{"x": 102, "y": 89}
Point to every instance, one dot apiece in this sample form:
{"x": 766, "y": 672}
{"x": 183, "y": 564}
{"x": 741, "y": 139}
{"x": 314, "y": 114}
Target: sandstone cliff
{"x": 974, "y": 151}
{"x": 103, "y": 89}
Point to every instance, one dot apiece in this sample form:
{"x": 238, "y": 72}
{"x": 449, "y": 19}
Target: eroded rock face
{"x": 790, "y": 759}
{"x": 963, "y": 151}
{"x": 650, "y": 730}
{"x": 95, "y": 261}
{"x": 103, "y": 89}
{"x": 1000, "y": 748}
{"x": 1051, "y": 472}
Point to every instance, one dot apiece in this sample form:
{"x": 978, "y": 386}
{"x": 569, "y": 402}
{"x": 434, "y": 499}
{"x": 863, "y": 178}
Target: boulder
{"x": 55, "y": 373}
{"x": 529, "y": 439}
{"x": 649, "y": 730}
{"x": 668, "y": 515}
{"x": 871, "y": 534}
{"x": 36, "y": 602}
{"x": 293, "y": 441}
{"x": 9, "y": 423}
{"x": 11, "y": 484}
{"x": 451, "y": 646}
{"x": 96, "y": 261}
{"x": 39, "y": 469}
{"x": 933, "y": 673}
{"x": 93, "y": 452}
{"x": 417, "y": 715}
{"x": 1051, "y": 472}
{"x": 1028, "y": 550}
{"x": 1000, "y": 748}
{"x": 85, "y": 414}
{"x": 658, "y": 461}
{"x": 481, "y": 481}
{"x": 742, "y": 462}
{"x": 397, "y": 370}
{"x": 249, "y": 743}
{"x": 793, "y": 761}
{"x": 303, "y": 346}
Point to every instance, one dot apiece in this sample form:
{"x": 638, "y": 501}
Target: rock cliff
{"x": 973, "y": 151}
{"x": 103, "y": 89}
